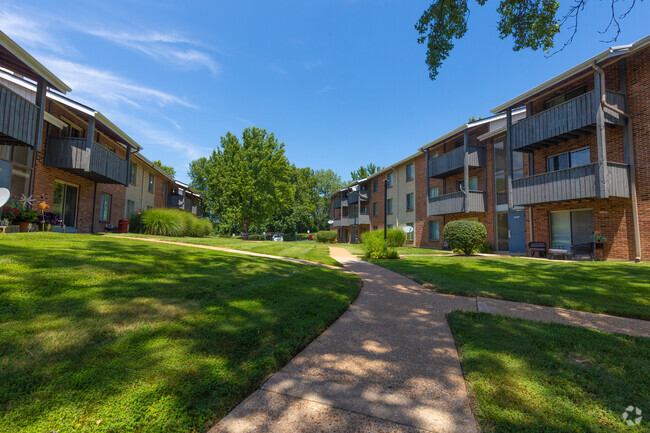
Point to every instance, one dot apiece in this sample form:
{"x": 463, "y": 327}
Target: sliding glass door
{"x": 65, "y": 202}
{"x": 570, "y": 228}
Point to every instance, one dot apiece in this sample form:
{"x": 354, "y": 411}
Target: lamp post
{"x": 385, "y": 211}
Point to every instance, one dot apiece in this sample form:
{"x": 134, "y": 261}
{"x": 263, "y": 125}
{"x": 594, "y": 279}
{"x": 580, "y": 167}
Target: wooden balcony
{"x": 353, "y": 197}
{"x": 455, "y": 203}
{"x": 336, "y": 202}
{"x": 565, "y": 121}
{"x": 570, "y": 184}
{"x": 89, "y": 160}
{"x": 352, "y": 220}
{"x": 18, "y": 119}
{"x": 175, "y": 201}
{"x": 454, "y": 161}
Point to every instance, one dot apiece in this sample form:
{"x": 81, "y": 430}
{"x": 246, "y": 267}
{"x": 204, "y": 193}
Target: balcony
{"x": 88, "y": 160}
{"x": 455, "y": 203}
{"x": 18, "y": 119}
{"x": 565, "y": 121}
{"x": 175, "y": 201}
{"x": 336, "y": 202}
{"x": 354, "y": 196}
{"x": 352, "y": 220}
{"x": 570, "y": 184}
{"x": 454, "y": 161}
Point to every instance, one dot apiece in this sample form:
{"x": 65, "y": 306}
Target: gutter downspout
{"x": 632, "y": 163}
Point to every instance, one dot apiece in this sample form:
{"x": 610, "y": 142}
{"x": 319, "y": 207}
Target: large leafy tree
{"x": 245, "y": 182}
{"x": 531, "y": 23}
{"x": 365, "y": 171}
{"x": 166, "y": 168}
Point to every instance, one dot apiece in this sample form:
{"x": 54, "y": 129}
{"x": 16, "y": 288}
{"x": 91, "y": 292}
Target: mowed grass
{"x": 119, "y": 335}
{"x": 533, "y": 377}
{"x": 306, "y": 250}
{"x": 402, "y": 251}
{"x": 621, "y": 289}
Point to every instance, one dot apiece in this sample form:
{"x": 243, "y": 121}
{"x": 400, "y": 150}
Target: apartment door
{"x": 65, "y": 202}
{"x": 517, "y": 232}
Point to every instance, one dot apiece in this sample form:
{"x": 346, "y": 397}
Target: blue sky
{"x": 340, "y": 82}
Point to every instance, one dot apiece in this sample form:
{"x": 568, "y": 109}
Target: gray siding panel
{"x": 455, "y": 203}
{"x": 18, "y": 117}
{"x": 455, "y": 160}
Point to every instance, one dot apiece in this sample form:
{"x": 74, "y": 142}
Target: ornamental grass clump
{"x": 175, "y": 222}
{"x": 465, "y": 237}
{"x": 376, "y": 248}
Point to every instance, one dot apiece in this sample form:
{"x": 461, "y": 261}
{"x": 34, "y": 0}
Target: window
{"x": 64, "y": 202}
{"x": 411, "y": 235}
{"x": 163, "y": 189}
{"x": 16, "y": 164}
{"x": 433, "y": 155}
{"x": 149, "y": 207}
{"x": 151, "y": 182}
{"x": 134, "y": 173}
{"x": 517, "y": 165}
{"x": 389, "y": 206}
{"x": 434, "y": 191}
{"x": 105, "y": 207}
{"x": 409, "y": 202}
{"x": 389, "y": 226}
{"x": 130, "y": 208}
{"x": 375, "y": 185}
{"x": 501, "y": 192}
{"x": 389, "y": 178}
{"x": 569, "y": 228}
{"x": 364, "y": 209}
{"x": 71, "y": 130}
{"x": 375, "y": 228}
{"x": 473, "y": 184}
{"x": 410, "y": 172}
{"x": 374, "y": 209}
{"x": 434, "y": 231}
{"x": 568, "y": 159}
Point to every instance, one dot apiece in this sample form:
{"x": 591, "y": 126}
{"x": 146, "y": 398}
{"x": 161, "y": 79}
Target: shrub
{"x": 466, "y": 237}
{"x": 486, "y": 248}
{"x": 376, "y": 248}
{"x": 326, "y": 237}
{"x": 174, "y": 222}
{"x": 134, "y": 222}
{"x": 395, "y": 238}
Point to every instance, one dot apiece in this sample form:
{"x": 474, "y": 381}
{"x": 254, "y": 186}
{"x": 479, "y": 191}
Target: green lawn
{"x": 621, "y": 289}
{"x": 118, "y": 335}
{"x": 306, "y": 250}
{"x": 534, "y": 377}
{"x": 403, "y": 251}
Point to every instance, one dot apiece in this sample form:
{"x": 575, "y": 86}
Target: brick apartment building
{"x": 566, "y": 163}
{"x": 69, "y": 154}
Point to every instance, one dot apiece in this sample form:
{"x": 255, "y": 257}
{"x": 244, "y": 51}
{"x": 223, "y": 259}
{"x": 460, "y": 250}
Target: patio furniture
{"x": 583, "y": 250}
{"x": 554, "y": 252}
{"x": 537, "y": 247}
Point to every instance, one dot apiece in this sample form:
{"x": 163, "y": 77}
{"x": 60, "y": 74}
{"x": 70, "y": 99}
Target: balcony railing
{"x": 336, "y": 202}
{"x": 570, "y": 184}
{"x": 353, "y": 197}
{"x": 573, "y": 115}
{"x": 454, "y": 161}
{"x": 18, "y": 118}
{"x": 89, "y": 160}
{"x": 455, "y": 203}
{"x": 175, "y": 201}
{"x": 351, "y": 220}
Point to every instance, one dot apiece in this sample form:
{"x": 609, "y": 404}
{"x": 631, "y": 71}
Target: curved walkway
{"x": 388, "y": 364}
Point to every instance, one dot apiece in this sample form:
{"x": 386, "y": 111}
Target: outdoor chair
{"x": 537, "y": 247}
{"x": 583, "y": 250}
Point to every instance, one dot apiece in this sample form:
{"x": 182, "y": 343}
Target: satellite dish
{"x": 4, "y": 196}
{"x": 407, "y": 229}
{"x": 330, "y": 222}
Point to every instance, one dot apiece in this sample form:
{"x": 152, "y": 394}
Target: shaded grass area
{"x": 306, "y": 250}
{"x": 116, "y": 335}
{"x": 534, "y": 377}
{"x": 621, "y": 289}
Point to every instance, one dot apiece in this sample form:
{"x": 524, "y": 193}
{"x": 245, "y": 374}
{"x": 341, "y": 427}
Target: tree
{"x": 327, "y": 183}
{"x": 531, "y": 23}
{"x": 166, "y": 168}
{"x": 245, "y": 182}
{"x": 363, "y": 172}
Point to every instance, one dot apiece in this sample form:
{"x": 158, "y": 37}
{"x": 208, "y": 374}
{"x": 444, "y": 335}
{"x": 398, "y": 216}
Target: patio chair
{"x": 537, "y": 247}
{"x": 583, "y": 250}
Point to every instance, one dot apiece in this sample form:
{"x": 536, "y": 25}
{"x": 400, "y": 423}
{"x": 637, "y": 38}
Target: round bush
{"x": 326, "y": 236}
{"x": 164, "y": 222}
{"x": 395, "y": 238}
{"x": 375, "y": 246}
{"x": 465, "y": 237}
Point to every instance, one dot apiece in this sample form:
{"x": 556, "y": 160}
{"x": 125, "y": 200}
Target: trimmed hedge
{"x": 326, "y": 236}
{"x": 175, "y": 222}
{"x": 465, "y": 237}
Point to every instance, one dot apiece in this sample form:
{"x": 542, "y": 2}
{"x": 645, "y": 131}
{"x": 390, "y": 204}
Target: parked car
{"x": 278, "y": 238}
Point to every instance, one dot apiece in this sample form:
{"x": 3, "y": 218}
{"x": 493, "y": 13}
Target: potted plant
{"x": 24, "y": 218}
{"x": 49, "y": 219}
{"x": 600, "y": 241}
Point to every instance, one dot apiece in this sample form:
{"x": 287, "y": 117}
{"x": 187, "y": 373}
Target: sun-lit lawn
{"x": 402, "y": 251}
{"x": 534, "y": 377}
{"x": 306, "y": 250}
{"x": 119, "y": 335}
{"x": 602, "y": 287}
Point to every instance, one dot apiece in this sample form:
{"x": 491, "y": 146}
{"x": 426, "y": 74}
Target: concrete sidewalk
{"x": 389, "y": 363}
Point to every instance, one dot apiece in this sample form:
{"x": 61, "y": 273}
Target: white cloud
{"x": 31, "y": 33}
{"x": 311, "y": 65}
{"x": 95, "y": 85}
{"x": 277, "y": 69}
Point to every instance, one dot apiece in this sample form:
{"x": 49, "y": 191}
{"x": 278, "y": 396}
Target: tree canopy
{"x": 365, "y": 171}
{"x": 166, "y": 168}
{"x": 531, "y": 23}
{"x": 245, "y": 182}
